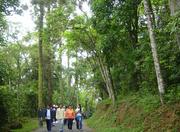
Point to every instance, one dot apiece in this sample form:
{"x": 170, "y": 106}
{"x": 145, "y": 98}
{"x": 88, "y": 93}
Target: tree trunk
{"x": 49, "y": 79}
{"x": 49, "y": 70}
{"x": 18, "y": 84}
{"x": 132, "y": 28}
{"x": 40, "y": 69}
{"x": 154, "y": 50}
{"x": 107, "y": 79}
{"x": 61, "y": 87}
{"x": 76, "y": 88}
{"x": 152, "y": 13}
{"x": 175, "y": 7}
{"x": 76, "y": 81}
{"x": 68, "y": 64}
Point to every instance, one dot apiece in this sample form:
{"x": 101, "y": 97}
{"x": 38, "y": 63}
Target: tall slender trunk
{"x": 49, "y": 80}
{"x": 40, "y": 68}
{"x": 154, "y": 50}
{"x": 68, "y": 64}
{"x": 175, "y": 7}
{"x": 132, "y": 28}
{"x": 76, "y": 88}
{"x": 18, "y": 84}
{"x": 76, "y": 81}
{"x": 69, "y": 93}
{"x": 61, "y": 87}
{"x": 152, "y": 13}
{"x": 107, "y": 79}
{"x": 49, "y": 70}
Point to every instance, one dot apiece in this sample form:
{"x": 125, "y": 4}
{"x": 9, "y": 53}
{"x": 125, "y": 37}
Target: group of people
{"x": 61, "y": 115}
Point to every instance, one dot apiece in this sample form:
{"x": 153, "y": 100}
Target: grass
{"x": 135, "y": 113}
{"x": 28, "y": 126}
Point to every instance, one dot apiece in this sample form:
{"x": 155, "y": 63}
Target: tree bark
{"x": 61, "y": 87}
{"x": 107, "y": 79}
{"x": 49, "y": 70}
{"x": 152, "y": 13}
{"x": 68, "y": 64}
{"x": 40, "y": 67}
{"x": 154, "y": 50}
{"x": 132, "y": 28}
{"x": 175, "y": 7}
{"x": 49, "y": 78}
{"x": 76, "y": 81}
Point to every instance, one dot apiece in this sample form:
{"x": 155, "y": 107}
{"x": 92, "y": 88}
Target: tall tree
{"x": 40, "y": 71}
{"x": 175, "y": 8}
{"x": 89, "y": 41}
{"x": 49, "y": 59}
{"x": 154, "y": 49}
{"x": 40, "y": 4}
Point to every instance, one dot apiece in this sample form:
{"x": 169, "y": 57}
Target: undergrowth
{"x": 28, "y": 126}
{"x": 135, "y": 113}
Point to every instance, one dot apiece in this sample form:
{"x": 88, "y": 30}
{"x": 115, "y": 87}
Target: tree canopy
{"x": 78, "y": 57}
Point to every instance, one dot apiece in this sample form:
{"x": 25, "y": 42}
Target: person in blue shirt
{"x": 78, "y": 117}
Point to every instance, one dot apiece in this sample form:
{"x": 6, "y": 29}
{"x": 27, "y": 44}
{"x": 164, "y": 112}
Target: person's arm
{"x": 52, "y": 114}
{"x": 73, "y": 114}
{"x": 65, "y": 114}
{"x": 45, "y": 113}
{"x": 57, "y": 114}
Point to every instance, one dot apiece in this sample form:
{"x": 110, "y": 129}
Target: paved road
{"x": 56, "y": 128}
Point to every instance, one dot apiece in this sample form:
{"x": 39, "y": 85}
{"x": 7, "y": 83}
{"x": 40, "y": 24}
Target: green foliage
{"x": 116, "y": 33}
{"x": 28, "y": 126}
{"x": 136, "y": 112}
{"x": 3, "y": 27}
{"x": 173, "y": 95}
{"x": 173, "y": 23}
{"x": 8, "y": 6}
{"x": 3, "y": 110}
{"x": 30, "y": 105}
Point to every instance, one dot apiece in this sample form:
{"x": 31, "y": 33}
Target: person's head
{"x": 48, "y": 106}
{"x": 60, "y": 106}
{"x": 70, "y": 106}
{"x": 79, "y": 106}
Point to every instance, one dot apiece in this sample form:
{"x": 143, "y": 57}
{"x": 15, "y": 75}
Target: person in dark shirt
{"x": 48, "y": 117}
{"x": 40, "y": 117}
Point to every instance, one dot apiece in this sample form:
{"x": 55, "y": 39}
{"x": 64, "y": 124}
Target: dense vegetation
{"x": 135, "y": 113}
{"x": 119, "y": 48}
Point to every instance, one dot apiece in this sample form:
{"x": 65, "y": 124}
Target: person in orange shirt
{"x": 70, "y": 115}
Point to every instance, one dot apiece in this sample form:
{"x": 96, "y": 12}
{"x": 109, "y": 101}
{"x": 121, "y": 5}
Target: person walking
{"x": 48, "y": 117}
{"x": 40, "y": 117}
{"x": 65, "y": 120}
{"x": 60, "y": 115}
{"x": 70, "y": 115}
{"x": 53, "y": 120}
{"x": 78, "y": 117}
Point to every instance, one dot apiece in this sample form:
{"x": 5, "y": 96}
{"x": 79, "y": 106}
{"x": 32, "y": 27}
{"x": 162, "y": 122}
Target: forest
{"x": 119, "y": 59}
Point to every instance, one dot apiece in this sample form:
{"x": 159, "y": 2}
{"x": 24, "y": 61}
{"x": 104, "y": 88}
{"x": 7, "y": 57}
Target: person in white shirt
{"x": 48, "y": 116}
{"x": 60, "y": 115}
